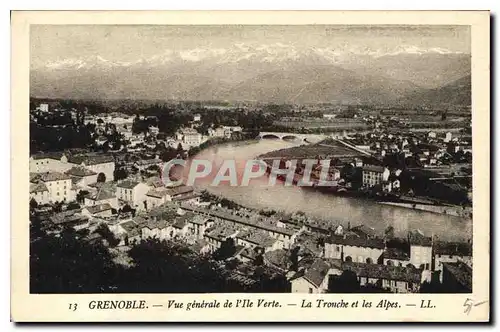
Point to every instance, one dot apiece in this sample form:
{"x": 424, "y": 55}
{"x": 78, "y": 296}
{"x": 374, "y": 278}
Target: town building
{"x": 252, "y": 238}
{"x": 374, "y": 175}
{"x": 100, "y": 210}
{"x": 82, "y": 176}
{"x": 96, "y": 163}
{"x": 133, "y": 193}
{"x": 354, "y": 248}
{"x": 315, "y": 279}
{"x": 70, "y": 218}
{"x": 189, "y": 136}
{"x": 159, "y": 196}
{"x": 49, "y": 162}
{"x": 40, "y": 193}
{"x": 396, "y": 257}
{"x": 58, "y": 184}
{"x": 101, "y": 196}
{"x": 451, "y": 252}
{"x": 420, "y": 250}
{"x": 143, "y": 164}
{"x": 43, "y": 108}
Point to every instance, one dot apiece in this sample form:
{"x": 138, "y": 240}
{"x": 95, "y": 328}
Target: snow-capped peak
{"x": 265, "y": 53}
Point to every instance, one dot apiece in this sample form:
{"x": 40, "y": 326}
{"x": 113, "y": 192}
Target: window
{"x": 310, "y": 290}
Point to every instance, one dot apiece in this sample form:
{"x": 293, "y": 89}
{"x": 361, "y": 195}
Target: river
{"x": 336, "y": 209}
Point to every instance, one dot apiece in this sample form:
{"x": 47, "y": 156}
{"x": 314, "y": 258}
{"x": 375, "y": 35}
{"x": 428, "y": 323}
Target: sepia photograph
{"x": 252, "y": 158}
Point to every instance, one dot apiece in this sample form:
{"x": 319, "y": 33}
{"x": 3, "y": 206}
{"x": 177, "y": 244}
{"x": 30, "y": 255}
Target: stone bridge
{"x": 309, "y": 138}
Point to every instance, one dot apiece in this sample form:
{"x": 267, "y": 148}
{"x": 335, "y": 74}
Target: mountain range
{"x": 268, "y": 73}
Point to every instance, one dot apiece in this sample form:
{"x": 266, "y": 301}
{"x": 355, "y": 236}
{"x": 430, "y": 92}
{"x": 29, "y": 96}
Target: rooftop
{"x": 357, "y": 241}
{"x": 48, "y": 155}
{"x": 217, "y": 213}
{"x": 98, "y": 208}
{"x": 91, "y": 159}
{"x": 128, "y": 184}
{"x": 54, "y": 176}
{"x": 387, "y": 272}
{"x": 317, "y": 272}
{"x": 258, "y": 237}
{"x": 453, "y": 248}
{"x": 101, "y": 194}
{"x": 373, "y": 168}
{"x": 395, "y": 253}
{"x": 80, "y": 171}
{"x": 37, "y": 187}
{"x": 419, "y": 239}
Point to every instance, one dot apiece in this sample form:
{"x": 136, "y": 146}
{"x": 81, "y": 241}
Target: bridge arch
{"x": 290, "y": 137}
{"x": 270, "y": 136}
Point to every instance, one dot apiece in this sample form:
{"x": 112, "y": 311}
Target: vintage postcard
{"x": 250, "y": 166}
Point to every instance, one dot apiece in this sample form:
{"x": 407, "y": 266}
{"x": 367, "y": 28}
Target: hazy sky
{"x": 130, "y": 43}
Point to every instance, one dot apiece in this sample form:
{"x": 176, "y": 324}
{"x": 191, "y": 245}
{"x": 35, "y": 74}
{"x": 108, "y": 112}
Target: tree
{"x": 294, "y": 259}
{"x": 72, "y": 206}
{"x": 120, "y": 174}
{"x": 179, "y": 150}
{"x": 226, "y": 250}
{"x": 389, "y": 232}
{"x": 127, "y": 209}
{"x": 79, "y": 268}
{"x": 33, "y": 204}
{"x": 80, "y": 197}
{"x": 169, "y": 267}
{"x": 101, "y": 177}
{"x": 106, "y": 234}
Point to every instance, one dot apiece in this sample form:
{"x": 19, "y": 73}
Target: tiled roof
{"x": 387, "y": 272}
{"x": 277, "y": 258}
{"x": 37, "y": 187}
{"x": 257, "y": 237}
{"x": 220, "y": 232}
{"x": 128, "y": 184}
{"x": 98, "y": 208}
{"x": 158, "y": 193}
{"x": 54, "y": 176}
{"x": 417, "y": 238}
{"x": 80, "y": 171}
{"x": 373, "y": 168}
{"x": 237, "y": 219}
{"x": 355, "y": 241}
{"x": 146, "y": 162}
{"x": 364, "y": 231}
{"x": 48, "y": 155}
{"x": 179, "y": 190}
{"x": 394, "y": 253}
{"x": 67, "y": 217}
{"x": 91, "y": 159}
{"x": 155, "y": 223}
{"x": 317, "y": 272}
{"x": 453, "y": 248}
{"x": 101, "y": 194}
{"x": 155, "y": 182}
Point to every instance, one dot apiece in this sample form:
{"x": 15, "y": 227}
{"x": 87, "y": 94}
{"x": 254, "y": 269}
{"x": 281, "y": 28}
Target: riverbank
{"x": 456, "y": 211}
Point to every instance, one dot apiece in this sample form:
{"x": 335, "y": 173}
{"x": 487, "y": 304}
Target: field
{"x": 327, "y": 124}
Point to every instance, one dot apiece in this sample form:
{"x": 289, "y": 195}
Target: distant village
{"x": 113, "y": 182}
